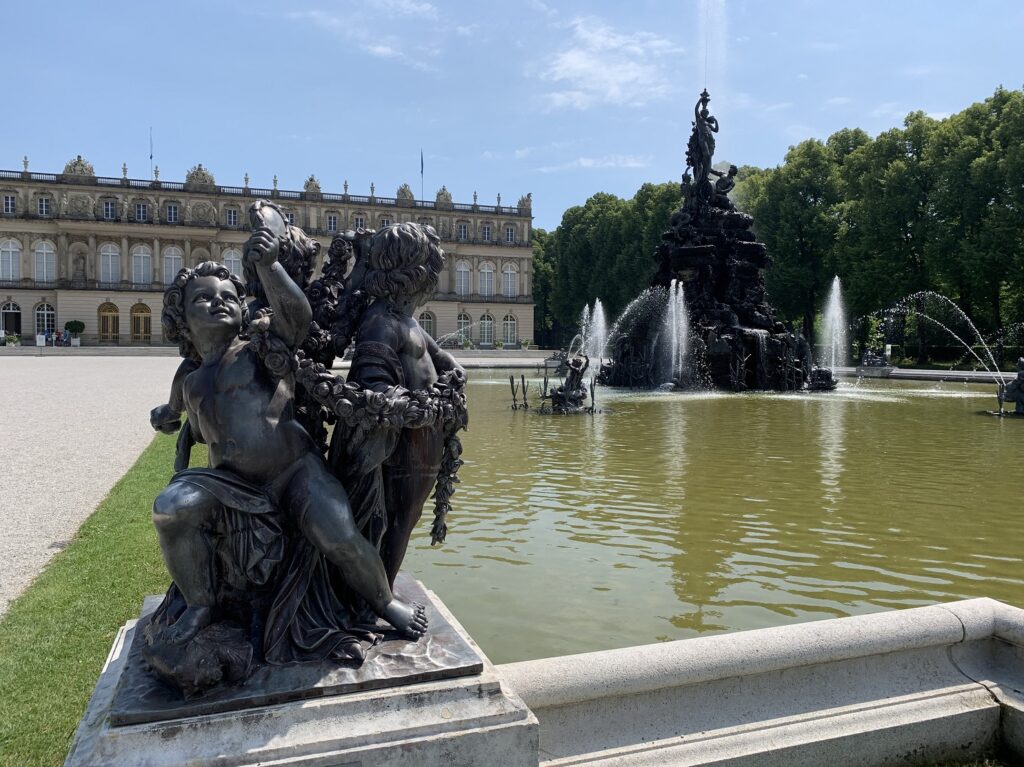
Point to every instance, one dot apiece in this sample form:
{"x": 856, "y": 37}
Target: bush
{"x": 74, "y": 327}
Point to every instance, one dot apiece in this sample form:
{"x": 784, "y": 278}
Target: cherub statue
{"x": 266, "y": 556}
{"x": 391, "y": 472}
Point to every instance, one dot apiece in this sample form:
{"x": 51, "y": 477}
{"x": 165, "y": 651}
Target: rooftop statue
{"x": 79, "y": 167}
{"x": 282, "y": 550}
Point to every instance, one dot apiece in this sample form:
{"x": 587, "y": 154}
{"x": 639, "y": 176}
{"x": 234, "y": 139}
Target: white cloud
{"x": 837, "y": 101}
{"x": 602, "y": 65}
{"x": 406, "y": 8}
{"x": 827, "y": 46}
{"x": 544, "y": 8}
{"x": 608, "y": 161}
{"x": 801, "y": 76}
{"x": 523, "y": 153}
{"x": 938, "y": 115}
{"x": 890, "y": 110}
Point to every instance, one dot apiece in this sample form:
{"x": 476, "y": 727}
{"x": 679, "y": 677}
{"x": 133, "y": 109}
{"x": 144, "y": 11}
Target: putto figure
{"x": 268, "y": 561}
{"x": 391, "y": 472}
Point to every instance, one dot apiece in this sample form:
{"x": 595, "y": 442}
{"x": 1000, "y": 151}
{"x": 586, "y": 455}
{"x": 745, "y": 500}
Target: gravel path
{"x": 87, "y": 416}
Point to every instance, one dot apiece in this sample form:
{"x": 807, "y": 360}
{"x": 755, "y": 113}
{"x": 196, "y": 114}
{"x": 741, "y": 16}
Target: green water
{"x": 673, "y": 515}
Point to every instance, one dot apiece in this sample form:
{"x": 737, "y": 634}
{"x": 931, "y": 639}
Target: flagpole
{"x": 421, "y": 174}
{"x": 150, "y": 152}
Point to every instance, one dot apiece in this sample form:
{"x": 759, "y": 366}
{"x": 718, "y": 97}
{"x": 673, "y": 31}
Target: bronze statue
{"x": 1014, "y": 390}
{"x": 271, "y": 561}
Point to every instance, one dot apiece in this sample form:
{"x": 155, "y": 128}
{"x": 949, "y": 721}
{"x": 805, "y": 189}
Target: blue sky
{"x": 561, "y": 99}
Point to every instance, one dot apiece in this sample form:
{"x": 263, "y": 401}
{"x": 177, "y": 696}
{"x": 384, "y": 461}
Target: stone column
{"x": 64, "y": 266}
{"x": 188, "y": 253}
{"x": 27, "y": 265}
{"x": 92, "y": 267}
{"x": 158, "y": 272}
{"x": 126, "y": 261}
{"x": 215, "y": 252}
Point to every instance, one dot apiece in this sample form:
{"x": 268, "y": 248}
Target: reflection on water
{"x": 671, "y": 515}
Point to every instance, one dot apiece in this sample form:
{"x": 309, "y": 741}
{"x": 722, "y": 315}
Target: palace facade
{"x": 77, "y": 246}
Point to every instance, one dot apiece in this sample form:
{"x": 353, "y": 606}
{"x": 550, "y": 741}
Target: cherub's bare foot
{"x": 410, "y": 620}
{"x": 190, "y": 623}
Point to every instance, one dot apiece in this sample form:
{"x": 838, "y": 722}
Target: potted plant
{"x": 12, "y": 339}
{"x": 499, "y": 344}
{"x": 74, "y": 327}
{"x": 467, "y": 344}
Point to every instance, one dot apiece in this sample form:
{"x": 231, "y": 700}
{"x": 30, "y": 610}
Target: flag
{"x": 421, "y": 162}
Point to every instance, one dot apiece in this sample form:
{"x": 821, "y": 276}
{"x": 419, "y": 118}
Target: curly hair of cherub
{"x": 403, "y": 259}
{"x": 173, "y": 316}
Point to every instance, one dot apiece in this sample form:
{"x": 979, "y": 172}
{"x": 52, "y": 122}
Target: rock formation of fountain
{"x": 711, "y": 252}
{"x": 833, "y": 337}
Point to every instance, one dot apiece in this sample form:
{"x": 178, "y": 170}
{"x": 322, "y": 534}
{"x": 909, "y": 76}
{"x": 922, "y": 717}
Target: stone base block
{"x": 462, "y": 721}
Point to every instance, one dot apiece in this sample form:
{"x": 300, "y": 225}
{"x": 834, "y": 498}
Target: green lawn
{"x": 56, "y": 636}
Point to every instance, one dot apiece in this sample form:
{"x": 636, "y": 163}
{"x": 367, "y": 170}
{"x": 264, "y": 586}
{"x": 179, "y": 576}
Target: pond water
{"x": 672, "y": 515}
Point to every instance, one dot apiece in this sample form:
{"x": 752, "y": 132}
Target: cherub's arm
{"x": 292, "y": 312}
{"x": 443, "y": 361}
{"x": 167, "y": 418}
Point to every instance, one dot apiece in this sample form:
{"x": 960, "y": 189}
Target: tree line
{"x": 934, "y": 205}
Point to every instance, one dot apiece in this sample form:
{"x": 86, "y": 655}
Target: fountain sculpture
{"x": 711, "y": 261}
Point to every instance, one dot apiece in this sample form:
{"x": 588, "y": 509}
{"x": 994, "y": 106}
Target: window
{"x": 110, "y": 263}
{"x": 109, "y": 210}
{"x": 462, "y": 326}
{"x": 142, "y": 265}
{"x": 385, "y": 222}
{"x": 172, "y": 214}
{"x": 141, "y": 211}
{"x": 10, "y": 260}
{"x": 509, "y": 281}
{"x": 109, "y": 322}
{"x": 232, "y": 259}
{"x": 510, "y": 234}
{"x": 142, "y": 323}
{"x": 46, "y": 319}
{"x": 486, "y": 280}
{"x": 10, "y": 204}
{"x": 358, "y": 222}
{"x": 290, "y": 217}
{"x": 174, "y": 260}
{"x": 43, "y": 206}
{"x": 426, "y": 320}
{"x": 485, "y": 232}
{"x": 231, "y": 217}
{"x": 10, "y": 319}
{"x": 332, "y": 222}
{"x": 487, "y": 330}
{"x": 509, "y": 330}
{"x": 463, "y": 231}
{"x": 462, "y": 278}
{"x": 46, "y": 263}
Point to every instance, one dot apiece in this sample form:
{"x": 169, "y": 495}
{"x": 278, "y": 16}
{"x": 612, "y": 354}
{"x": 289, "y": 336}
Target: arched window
{"x": 141, "y": 323}
{"x": 110, "y": 263}
{"x": 174, "y": 260}
{"x": 10, "y": 260}
{"x": 232, "y": 259}
{"x": 46, "y": 262}
{"x": 462, "y": 273}
{"x": 46, "y": 319}
{"x": 10, "y": 319}
{"x": 142, "y": 265}
{"x": 486, "y": 280}
{"x": 509, "y": 281}
{"x": 462, "y": 326}
{"x": 426, "y": 320}
{"x": 487, "y": 330}
{"x": 109, "y": 322}
{"x": 509, "y": 330}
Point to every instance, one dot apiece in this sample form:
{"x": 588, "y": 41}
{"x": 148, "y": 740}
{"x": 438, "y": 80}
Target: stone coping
{"x": 626, "y": 671}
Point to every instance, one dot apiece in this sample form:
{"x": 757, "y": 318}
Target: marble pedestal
{"x": 438, "y": 701}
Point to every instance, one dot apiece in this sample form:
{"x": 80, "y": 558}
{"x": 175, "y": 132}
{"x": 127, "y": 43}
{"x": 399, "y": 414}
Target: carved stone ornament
{"x": 526, "y": 201}
{"x": 443, "y": 198}
{"x": 312, "y": 186}
{"x": 79, "y": 167}
{"x": 80, "y": 205}
{"x": 404, "y": 194}
{"x": 199, "y": 176}
{"x": 204, "y": 213}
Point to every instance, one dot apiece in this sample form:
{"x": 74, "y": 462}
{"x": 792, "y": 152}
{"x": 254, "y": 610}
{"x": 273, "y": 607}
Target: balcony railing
{"x": 254, "y": 193}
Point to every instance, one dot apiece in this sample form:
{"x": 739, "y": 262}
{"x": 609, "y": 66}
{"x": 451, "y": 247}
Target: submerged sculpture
{"x": 735, "y": 341}
{"x": 570, "y": 396}
{"x": 284, "y": 550}
{"x": 1014, "y": 390}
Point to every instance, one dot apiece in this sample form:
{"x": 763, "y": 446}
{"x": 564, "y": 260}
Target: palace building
{"x": 77, "y": 246}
